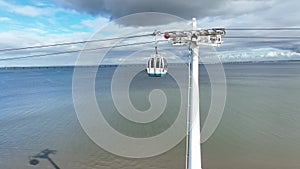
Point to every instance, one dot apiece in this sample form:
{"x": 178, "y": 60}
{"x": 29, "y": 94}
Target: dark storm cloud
{"x": 182, "y": 8}
{"x": 210, "y": 13}
{"x": 119, "y": 8}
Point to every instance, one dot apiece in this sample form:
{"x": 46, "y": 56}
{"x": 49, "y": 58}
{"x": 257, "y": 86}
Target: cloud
{"x": 25, "y": 38}
{"x": 186, "y": 9}
{"x": 26, "y": 10}
{"x": 95, "y": 23}
{"x": 262, "y": 54}
{"x": 4, "y": 19}
{"x": 222, "y": 13}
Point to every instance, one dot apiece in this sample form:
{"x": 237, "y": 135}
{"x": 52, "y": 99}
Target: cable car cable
{"x": 73, "y": 43}
{"x": 74, "y": 51}
{"x": 262, "y": 29}
{"x": 151, "y": 34}
{"x": 262, "y": 37}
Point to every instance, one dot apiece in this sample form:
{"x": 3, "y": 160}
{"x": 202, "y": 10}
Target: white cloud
{"x": 36, "y": 30}
{"x": 25, "y": 9}
{"x": 258, "y": 55}
{"x": 4, "y": 19}
{"x": 15, "y": 39}
{"x": 28, "y": 37}
{"x": 95, "y": 23}
{"x": 272, "y": 54}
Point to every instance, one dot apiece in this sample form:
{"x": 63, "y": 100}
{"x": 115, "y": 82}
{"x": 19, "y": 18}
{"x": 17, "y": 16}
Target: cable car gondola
{"x": 157, "y": 66}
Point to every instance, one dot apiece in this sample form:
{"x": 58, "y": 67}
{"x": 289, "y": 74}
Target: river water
{"x": 260, "y": 127}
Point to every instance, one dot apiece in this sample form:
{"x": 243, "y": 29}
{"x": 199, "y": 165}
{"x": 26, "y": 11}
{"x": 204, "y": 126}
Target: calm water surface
{"x": 260, "y": 127}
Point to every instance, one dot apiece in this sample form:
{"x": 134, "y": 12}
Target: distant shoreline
{"x": 171, "y": 64}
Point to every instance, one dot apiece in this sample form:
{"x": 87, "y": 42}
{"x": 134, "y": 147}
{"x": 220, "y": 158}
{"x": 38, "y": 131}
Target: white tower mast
{"x": 194, "y": 38}
{"x": 194, "y": 121}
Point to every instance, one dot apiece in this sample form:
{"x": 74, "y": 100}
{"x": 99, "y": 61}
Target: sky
{"x": 34, "y": 22}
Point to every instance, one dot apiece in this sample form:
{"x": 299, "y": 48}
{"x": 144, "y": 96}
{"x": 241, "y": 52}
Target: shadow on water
{"x": 44, "y": 154}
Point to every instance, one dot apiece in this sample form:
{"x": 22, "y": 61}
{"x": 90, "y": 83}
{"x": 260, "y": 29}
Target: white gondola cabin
{"x": 157, "y": 66}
